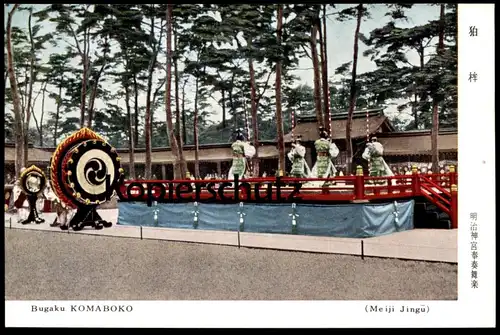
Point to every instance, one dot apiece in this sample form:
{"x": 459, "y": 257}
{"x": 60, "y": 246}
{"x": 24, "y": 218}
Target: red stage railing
{"x": 439, "y": 189}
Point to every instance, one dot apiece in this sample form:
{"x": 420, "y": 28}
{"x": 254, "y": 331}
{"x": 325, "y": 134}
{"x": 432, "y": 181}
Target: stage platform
{"x": 418, "y": 244}
{"x": 354, "y": 220}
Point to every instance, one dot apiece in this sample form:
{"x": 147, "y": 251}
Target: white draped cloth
{"x": 299, "y": 165}
{"x": 377, "y": 148}
{"x": 23, "y": 211}
{"x": 63, "y": 212}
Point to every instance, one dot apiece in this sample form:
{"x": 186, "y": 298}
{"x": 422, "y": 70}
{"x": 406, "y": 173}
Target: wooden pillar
{"x": 219, "y": 168}
{"x": 415, "y": 182}
{"x": 454, "y": 206}
{"x": 359, "y": 184}
{"x": 163, "y": 172}
{"x": 453, "y": 175}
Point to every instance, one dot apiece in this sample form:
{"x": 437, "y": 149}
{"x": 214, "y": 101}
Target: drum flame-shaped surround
{"x": 84, "y": 169}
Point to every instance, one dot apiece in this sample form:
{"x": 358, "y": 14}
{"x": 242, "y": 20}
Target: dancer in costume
{"x": 300, "y": 169}
{"x": 20, "y": 201}
{"x": 242, "y": 151}
{"x": 63, "y": 211}
{"x": 326, "y": 151}
{"x": 373, "y": 153}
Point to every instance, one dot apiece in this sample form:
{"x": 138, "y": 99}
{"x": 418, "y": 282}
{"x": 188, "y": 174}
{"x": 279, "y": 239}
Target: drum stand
{"x": 33, "y": 215}
{"x": 87, "y": 216}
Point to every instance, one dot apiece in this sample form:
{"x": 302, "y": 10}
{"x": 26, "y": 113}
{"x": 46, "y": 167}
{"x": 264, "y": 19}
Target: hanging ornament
{"x": 195, "y": 212}
{"x": 294, "y": 216}
{"x": 155, "y": 214}
{"x": 396, "y": 212}
{"x": 242, "y": 219}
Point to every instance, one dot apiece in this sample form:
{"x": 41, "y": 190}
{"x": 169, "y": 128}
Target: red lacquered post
{"x": 415, "y": 181}
{"x": 359, "y": 184}
{"x": 454, "y": 206}
{"x": 453, "y": 175}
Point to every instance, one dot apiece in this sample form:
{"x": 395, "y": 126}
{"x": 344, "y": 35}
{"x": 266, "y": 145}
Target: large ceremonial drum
{"x": 33, "y": 180}
{"x": 85, "y": 169}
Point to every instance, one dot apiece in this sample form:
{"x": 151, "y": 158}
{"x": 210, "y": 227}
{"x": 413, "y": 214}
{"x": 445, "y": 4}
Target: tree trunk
{"x": 147, "y": 116}
{"x": 94, "y": 95}
{"x": 180, "y": 143}
{"x": 178, "y": 173}
{"x": 414, "y": 107}
{"x": 352, "y": 102}
{"x": 37, "y": 125}
{"x": 255, "y": 124}
{"x": 231, "y": 102}
{"x": 279, "y": 114}
{"x": 16, "y": 99}
{"x": 130, "y": 129}
{"x": 435, "y": 102}
{"x": 58, "y": 109}
{"x": 324, "y": 72}
{"x": 422, "y": 96}
{"x": 84, "y": 80}
{"x": 223, "y": 92}
{"x": 176, "y": 87}
{"x": 30, "y": 89}
{"x": 184, "y": 135}
{"x": 317, "y": 82}
{"x": 136, "y": 109}
{"x": 195, "y": 130}
{"x": 44, "y": 90}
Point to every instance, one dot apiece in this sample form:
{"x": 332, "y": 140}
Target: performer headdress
{"x": 322, "y": 133}
{"x": 239, "y": 135}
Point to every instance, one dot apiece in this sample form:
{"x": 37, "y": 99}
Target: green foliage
{"x": 214, "y": 44}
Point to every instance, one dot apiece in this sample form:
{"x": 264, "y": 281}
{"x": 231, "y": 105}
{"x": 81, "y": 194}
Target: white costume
{"x": 242, "y": 151}
{"x": 22, "y": 208}
{"x": 373, "y": 153}
{"x": 63, "y": 212}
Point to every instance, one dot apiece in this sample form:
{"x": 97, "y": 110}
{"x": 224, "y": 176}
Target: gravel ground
{"x": 53, "y": 266}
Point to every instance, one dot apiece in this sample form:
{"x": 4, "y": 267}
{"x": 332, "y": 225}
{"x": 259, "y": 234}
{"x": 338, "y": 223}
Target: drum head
{"x": 33, "y": 180}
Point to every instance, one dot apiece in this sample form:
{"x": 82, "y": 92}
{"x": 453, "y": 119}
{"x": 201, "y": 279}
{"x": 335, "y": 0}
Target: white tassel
{"x": 155, "y": 213}
{"x": 396, "y": 212}
{"x": 294, "y": 215}
{"x": 195, "y": 212}
{"x": 242, "y": 220}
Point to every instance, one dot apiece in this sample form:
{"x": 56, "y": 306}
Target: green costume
{"x": 300, "y": 169}
{"x": 327, "y": 151}
{"x": 373, "y": 153}
{"x": 241, "y": 150}
{"x": 239, "y": 161}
